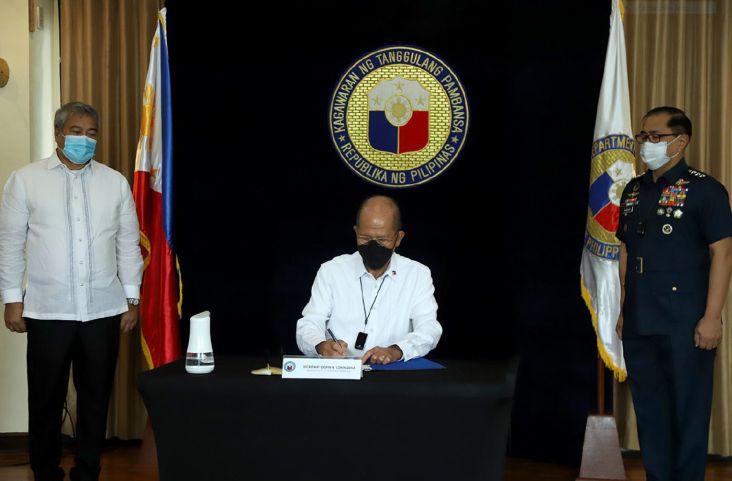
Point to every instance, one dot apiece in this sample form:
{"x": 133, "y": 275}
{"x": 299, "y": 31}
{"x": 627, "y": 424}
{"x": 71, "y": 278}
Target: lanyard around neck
{"x": 366, "y": 316}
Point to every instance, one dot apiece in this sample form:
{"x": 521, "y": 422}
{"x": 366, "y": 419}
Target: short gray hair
{"x": 73, "y": 108}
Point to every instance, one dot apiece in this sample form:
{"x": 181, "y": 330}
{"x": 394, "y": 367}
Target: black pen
{"x": 333, "y": 336}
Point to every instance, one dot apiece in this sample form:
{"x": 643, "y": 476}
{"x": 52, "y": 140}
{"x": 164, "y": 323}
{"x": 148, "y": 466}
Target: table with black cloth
{"x": 407, "y": 425}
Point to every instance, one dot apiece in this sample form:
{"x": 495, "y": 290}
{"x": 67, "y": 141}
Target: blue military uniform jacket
{"x": 667, "y": 228}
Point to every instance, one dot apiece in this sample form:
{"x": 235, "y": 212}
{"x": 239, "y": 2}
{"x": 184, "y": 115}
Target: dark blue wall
{"x": 263, "y": 199}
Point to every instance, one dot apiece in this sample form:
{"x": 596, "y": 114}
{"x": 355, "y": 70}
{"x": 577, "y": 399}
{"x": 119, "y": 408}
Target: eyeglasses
{"x": 644, "y": 137}
{"x": 362, "y": 239}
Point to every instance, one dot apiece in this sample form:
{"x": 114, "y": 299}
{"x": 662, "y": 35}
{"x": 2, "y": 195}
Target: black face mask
{"x": 375, "y": 256}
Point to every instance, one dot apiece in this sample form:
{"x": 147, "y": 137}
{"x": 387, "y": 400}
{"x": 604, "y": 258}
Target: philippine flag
{"x": 160, "y": 300}
{"x": 399, "y": 116}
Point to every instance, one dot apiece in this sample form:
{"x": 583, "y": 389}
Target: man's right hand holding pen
{"x": 332, "y": 347}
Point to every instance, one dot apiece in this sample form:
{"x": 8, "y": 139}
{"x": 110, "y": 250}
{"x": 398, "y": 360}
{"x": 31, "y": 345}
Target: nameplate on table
{"x": 305, "y": 367}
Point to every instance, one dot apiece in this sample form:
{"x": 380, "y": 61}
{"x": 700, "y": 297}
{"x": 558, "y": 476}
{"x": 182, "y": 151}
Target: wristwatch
{"x": 133, "y": 302}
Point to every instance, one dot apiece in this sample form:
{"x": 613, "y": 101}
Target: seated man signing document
{"x": 373, "y": 303}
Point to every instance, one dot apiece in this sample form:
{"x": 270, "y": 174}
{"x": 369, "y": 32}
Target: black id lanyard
{"x": 361, "y": 338}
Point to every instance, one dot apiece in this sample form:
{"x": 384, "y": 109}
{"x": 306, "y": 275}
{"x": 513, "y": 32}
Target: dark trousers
{"x": 53, "y": 346}
{"x": 671, "y": 385}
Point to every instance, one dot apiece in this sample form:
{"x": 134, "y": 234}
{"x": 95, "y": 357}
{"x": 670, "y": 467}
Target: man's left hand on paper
{"x": 382, "y": 355}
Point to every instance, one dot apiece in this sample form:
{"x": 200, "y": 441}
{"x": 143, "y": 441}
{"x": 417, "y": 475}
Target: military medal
{"x": 673, "y": 196}
{"x": 630, "y": 201}
{"x": 667, "y": 229}
{"x": 660, "y": 211}
{"x": 678, "y": 213}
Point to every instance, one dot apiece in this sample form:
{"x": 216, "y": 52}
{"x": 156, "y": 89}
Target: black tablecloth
{"x": 449, "y": 424}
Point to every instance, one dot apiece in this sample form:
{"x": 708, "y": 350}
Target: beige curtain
{"x": 105, "y": 45}
{"x": 680, "y": 54}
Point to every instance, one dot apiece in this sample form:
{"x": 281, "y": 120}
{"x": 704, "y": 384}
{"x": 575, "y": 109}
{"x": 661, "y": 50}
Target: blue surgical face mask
{"x": 79, "y": 149}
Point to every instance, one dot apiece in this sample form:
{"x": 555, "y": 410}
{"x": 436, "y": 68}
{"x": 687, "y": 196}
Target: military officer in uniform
{"x": 675, "y": 231}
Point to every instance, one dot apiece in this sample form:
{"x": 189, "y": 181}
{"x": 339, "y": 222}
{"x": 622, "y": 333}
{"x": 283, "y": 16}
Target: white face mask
{"x": 654, "y": 155}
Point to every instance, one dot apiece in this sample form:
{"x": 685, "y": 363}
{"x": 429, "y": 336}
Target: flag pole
{"x": 600, "y": 386}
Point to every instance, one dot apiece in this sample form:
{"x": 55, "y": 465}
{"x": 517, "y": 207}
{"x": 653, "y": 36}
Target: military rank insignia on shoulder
{"x": 697, "y": 173}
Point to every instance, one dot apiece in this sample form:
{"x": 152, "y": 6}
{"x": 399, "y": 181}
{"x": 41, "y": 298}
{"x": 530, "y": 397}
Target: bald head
{"x": 380, "y": 211}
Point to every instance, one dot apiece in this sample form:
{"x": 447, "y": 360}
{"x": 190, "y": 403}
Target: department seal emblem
{"x": 612, "y": 169}
{"x": 399, "y": 116}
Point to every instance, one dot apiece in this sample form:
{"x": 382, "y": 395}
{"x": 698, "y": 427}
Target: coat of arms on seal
{"x": 399, "y": 116}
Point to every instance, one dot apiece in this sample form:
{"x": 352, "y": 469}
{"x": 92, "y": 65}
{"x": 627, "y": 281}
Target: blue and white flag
{"x": 612, "y": 167}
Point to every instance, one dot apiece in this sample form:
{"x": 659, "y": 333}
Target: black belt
{"x": 643, "y": 266}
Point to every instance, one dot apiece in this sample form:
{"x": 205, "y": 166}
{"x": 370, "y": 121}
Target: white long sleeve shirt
{"x": 76, "y": 236}
{"x": 405, "y": 311}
